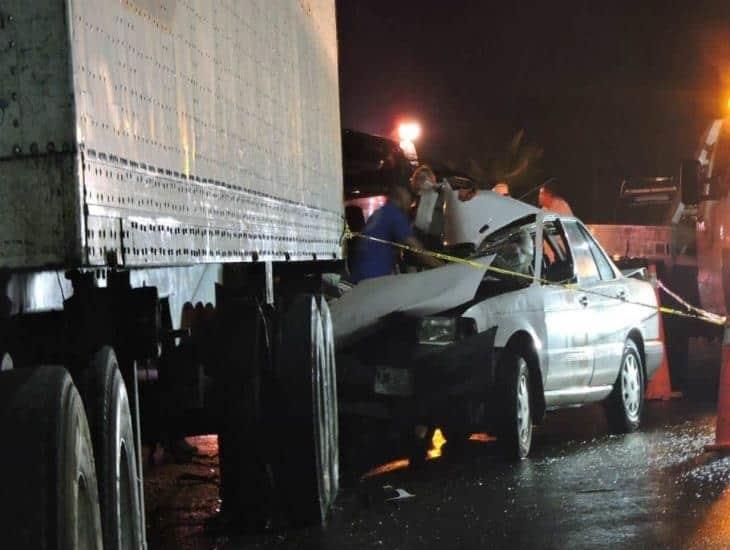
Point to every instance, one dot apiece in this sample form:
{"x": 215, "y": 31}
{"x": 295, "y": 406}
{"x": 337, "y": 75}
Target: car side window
{"x": 557, "y": 265}
{"x": 585, "y": 265}
{"x": 517, "y": 252}
{"x": 604, "y": 266}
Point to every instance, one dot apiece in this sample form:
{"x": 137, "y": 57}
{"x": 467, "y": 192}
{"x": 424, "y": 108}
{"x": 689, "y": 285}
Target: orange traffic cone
{"x": 722, "y": 432}
{"x": 659, "y": 387}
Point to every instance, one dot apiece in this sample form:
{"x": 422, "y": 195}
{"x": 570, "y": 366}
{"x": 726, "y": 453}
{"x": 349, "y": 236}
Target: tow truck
{"x": 678, "y": 224}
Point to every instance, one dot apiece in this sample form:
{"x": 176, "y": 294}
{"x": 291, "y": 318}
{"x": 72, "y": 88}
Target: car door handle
{"x": 621, "y": 295}
{"x": 583, "y": 300}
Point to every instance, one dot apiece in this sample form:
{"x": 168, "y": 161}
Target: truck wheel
{"x": 47, "y": 472}
{"x": 626, "y": 402}
{"x": 110, "y": 421}
{"x": 331, "y": 400}
{"x": 514, "y": 426}
{"x": 310, "y": 416}
{"x": 244, "y": 440}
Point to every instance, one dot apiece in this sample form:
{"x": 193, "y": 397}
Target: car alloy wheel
{"x": 625, "y": 404}
{"x": 631, "y": 387}
{"x": 524, "y": 422}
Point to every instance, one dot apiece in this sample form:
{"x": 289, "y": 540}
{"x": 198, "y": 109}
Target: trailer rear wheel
{"x": 244, "y": 446}
{"x": 47, "y": 470}
{"x": 307, "y": 377}
{"x": 331, "y": 396}
{"x": 110, "y": 421}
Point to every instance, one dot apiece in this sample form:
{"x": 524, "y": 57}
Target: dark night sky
{"x": 606, "y": 89}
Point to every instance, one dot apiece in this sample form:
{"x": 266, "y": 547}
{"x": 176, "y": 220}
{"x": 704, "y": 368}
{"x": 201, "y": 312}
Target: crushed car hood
{"x": 487, "y": 211}
{"x": 417, "y": 294}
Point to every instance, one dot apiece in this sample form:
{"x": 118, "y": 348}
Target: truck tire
{"x": 110, "y": 421}
{"x": 331, "y": 401}
{"x": 244, "y": 442}
{"x": 310, "y": 417}
{"x": 514, "y": 418}
{"x": 47, "y": 472}
{"x": 626, "y": 402}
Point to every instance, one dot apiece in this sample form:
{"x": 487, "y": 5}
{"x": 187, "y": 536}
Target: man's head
{"x": 423, "y": 179}
{"x": 501, "y": 188}
{"x": 549, "y": 191}
{"x": 401, "y": 196}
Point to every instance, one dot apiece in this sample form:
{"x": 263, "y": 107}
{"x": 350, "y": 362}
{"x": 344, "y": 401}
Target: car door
{"x": 599, "y": 288}
{"x": 608, "y": 334}
{"x": 570, "y": 361}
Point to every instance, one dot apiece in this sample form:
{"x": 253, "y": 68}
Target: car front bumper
{"x": 418, "y": 378}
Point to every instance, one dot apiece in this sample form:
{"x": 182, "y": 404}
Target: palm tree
{"x": 515, "y": 165}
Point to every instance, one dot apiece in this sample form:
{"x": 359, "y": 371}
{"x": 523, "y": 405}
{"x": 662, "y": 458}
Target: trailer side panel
{"x": 204, "y": 132}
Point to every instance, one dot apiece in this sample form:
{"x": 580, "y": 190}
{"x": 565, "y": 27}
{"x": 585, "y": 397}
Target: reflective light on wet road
{"x": 436, "y": 451}
{"x": 582, "y": 487}
{"x": 482, "y": 437}
{"x": 387, "y": 468}
{"x": 437, "y": 442}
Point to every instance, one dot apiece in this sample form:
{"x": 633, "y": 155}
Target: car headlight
{"x": 442, "y": 331}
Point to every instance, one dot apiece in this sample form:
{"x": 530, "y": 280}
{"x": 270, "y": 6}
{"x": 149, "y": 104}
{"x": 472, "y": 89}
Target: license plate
{"x": 390, "y": 381}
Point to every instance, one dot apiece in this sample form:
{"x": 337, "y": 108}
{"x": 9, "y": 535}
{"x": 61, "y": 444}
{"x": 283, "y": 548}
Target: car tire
{"x": 110, "y": 422}
{"x": 626, "y": 402}
{"x": 47, "y": 472}
{"x": 514, "y": 417}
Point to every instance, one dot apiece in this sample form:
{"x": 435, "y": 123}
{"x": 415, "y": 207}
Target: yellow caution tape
{"x": 691, "y": 313}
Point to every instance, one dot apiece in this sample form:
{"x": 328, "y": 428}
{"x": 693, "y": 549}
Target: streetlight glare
{"x": 409, "y": 131}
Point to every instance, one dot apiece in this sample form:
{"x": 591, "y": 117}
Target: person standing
{"x": 550, "y": 198}
{"x": 428, "y": 213}
{"x": 388, "y": 223}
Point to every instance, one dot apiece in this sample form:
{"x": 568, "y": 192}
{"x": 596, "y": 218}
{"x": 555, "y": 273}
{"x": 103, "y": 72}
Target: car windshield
{"x": 513, "y": 247}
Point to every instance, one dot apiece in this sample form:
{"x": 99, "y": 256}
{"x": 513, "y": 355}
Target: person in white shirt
{"x": 426, "y": 189}
{"x": 550, "y": 199}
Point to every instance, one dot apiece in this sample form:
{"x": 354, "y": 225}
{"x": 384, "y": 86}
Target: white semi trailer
{"x": 170, "y": 196}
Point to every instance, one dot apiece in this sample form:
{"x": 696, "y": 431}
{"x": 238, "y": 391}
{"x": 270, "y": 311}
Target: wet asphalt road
{"x": 580, "y": 488}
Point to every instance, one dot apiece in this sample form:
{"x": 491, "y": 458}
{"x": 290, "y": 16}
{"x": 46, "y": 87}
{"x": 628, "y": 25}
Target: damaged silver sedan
{"x": 547, "y": 321}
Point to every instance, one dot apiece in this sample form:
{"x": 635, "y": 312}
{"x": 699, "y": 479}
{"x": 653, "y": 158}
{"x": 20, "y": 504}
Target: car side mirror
{"x": 559, "y": 272}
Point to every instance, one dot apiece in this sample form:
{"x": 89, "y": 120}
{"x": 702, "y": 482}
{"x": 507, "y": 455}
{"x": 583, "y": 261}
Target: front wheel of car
{"x": 514, "y": 427}
{"x": 626, "y": 402}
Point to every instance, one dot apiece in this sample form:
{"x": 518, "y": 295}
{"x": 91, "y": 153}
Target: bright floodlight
{"x": 409, "y": 131}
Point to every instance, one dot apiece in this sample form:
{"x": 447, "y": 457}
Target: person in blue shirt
{"x": 390, "y": 223}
